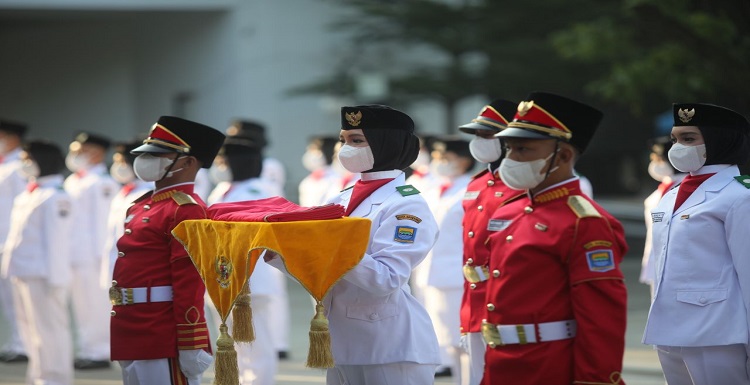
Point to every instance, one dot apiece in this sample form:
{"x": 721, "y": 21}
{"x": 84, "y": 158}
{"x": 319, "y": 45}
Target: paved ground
{"x": 641, "y": 366}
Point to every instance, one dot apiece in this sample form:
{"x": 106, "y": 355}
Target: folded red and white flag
{"x": 275, "y": 209}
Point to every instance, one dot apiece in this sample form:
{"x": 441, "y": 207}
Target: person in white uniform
{"x": 92, "y": 189}
{"x": 236, "y": 172}
{"x": 440, "y": 275}
{"x": 699, "y": 316}
{"x": 38, "y": 262}
{"x": 11, "y": 184}
{"x": 661, "y": 171}
{"x": 132, "y": 188}
{"x": 274, "y": 174}
{"x": 314, "y": 188}
{"x": 380, "y": 334}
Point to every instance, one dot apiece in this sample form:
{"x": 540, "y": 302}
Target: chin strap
{"x": 552, "y": 161}
{"x": 169, "y": 172}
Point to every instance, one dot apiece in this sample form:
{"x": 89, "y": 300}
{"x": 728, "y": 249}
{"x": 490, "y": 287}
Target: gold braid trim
{"x": 163, "y": 195}
{"x": 552, "y": 195}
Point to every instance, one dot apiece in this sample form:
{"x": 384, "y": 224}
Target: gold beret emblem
{"x": 524, "y": 107}
{"x": 353, "y": 118}
{"x": 685, "y": 115}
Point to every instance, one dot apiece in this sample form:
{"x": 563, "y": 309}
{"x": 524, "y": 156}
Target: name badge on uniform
{"x": 600, "y": 260}
{"x": 657, "y": 217}
{"x": 471, "y": 195}
{"x": 498, "y": 224}
{"x": 405, "y": 234}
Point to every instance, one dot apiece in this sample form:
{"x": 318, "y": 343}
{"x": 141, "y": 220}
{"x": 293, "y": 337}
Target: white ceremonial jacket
{"x": 92, "y": 192}
{"x": 314, "y": 189}
{"x": 373, "y": 317}
{"x": 262, "y": 282}
{"x": 11, "y": 184}
{"x": 443, "y": 266}
{"x": 38, "y": 243}
{"x": 701, "y": 253}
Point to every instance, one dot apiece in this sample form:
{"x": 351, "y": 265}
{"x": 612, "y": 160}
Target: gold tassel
{"x": 242, "y": 317}
{"x": 227, "y": 372}
{"x": 319, "y": 354}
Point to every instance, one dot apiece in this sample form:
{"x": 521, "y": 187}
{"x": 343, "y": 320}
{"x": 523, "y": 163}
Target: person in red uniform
{"x": 483, "y": 195}
{"x": 158, "y": 327}
{"x": 556, "y": 300}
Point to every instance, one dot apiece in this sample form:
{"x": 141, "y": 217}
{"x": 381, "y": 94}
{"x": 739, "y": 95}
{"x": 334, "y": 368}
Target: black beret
{"x": 375, "y": 116}
{"x": 84, "y": 137}
{"x": 16, "y": 128}
{"x": 548, "y": 116}
{"x": 493, "y": 117}
{"x": 453, "y": 144}
{"x": 248, "y": 129}
{"x": 125, "y": 148}
{"x": 47, "y": 155}
{"x": 711, "y": 115}
{"x": 173, "y": 134}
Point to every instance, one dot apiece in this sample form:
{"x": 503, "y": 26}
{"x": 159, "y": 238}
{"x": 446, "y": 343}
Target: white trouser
{"x": 474, "y": 365}
{"x": 705, "y": 365}
{"x": 14, "y": 343}
{"x": 43, "y": 320}
{"x": 444, "y": 307}
{"x": 91, "y": 309}
{"x": 398, "y": 373}
{"x": 279, "y": 315}
{"x": 150, "y": 372}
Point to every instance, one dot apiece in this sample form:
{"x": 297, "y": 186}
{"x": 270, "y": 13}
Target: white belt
{"x": 135, "y": 295}
{"x": 527, "y": 333}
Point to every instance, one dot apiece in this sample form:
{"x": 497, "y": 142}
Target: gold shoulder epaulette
{"x": 183, "y": 199}
{"x": 582, "y": 207}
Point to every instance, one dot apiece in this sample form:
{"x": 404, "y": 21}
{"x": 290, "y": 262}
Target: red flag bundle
{"x": 275, "y": 209}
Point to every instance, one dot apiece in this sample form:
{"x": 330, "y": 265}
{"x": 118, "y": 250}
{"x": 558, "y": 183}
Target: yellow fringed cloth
{"x": 315, "y": 252}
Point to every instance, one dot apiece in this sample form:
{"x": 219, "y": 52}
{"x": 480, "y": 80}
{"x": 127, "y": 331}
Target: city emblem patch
{"x": 600, "y": 260}
{"x": 223, "y": 268}
{"x": 405, "y": 234}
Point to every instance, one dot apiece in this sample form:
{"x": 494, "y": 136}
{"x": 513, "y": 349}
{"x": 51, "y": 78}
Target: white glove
{"x": 194, "y": 362}
{"x": 463, "y": 342}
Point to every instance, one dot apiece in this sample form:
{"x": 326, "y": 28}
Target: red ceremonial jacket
{"x": 556, "y": 258}
{"x": 148, "y": 256}
{"x": 484, "y": 194}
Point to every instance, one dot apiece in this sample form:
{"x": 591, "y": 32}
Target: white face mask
{"x": 447, "y": 169}
{"x": 523, "y": 175}
{"x": 220, "y": 173}
{"x": 356, "y": 159}
{"x": 659, "y": 170}
{"x": 313, "y": 160}
{"x": 687, "y": 158}
{"x": 485, "y": 150}
{"x": 149, "y": 168}
{"x": 122, "y": 172}
{"x": 422, "y": 161}
{"x": 76, "y": 162}
{"x": 29, "y": 169}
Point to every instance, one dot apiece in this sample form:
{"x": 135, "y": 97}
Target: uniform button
{"x": 491, "y": 345}
{"x": 490, "y": 183}
{"x": 480, "y": 207}
{"x": 374, "y": 316}
{"x": 147, "y": 207}
{"x": 495, "y": 273}
{"x": 703, "y": 300}
{"x": 490, "y": 307}
{"x": 469, "y": 261}
{"x": 473, "y": 286}
{"x": 128, "y": 231}
{"x": 528, "y": 210}
{"x": 112, "y": 313}
{"x": 509, "y": 239}
{"x": 470, "y": 234}
{"x": 120, "y": 254}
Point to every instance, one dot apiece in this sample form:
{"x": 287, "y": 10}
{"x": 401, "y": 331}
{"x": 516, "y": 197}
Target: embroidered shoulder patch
{"x": 600, "y": 260}
{"x": 407, "y": 190}
{"x": 405, "y": 234}
{"x": 597, "y": 243}
{"x": 183, "y": 199}
{"x": 582, "y": 207}
{"x": 744, "y": 180}
{"x": 408, "y": 217}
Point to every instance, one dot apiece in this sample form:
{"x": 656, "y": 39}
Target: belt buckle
{"x": 491, "y": 335}
{"x": 470, "y": 274}
{"x": 115, "y": 295}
